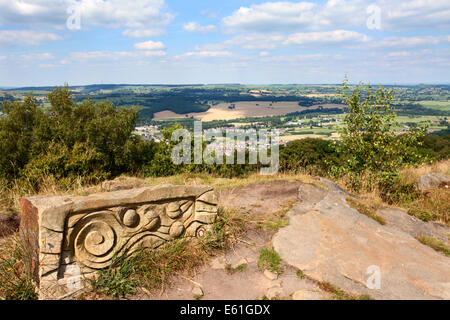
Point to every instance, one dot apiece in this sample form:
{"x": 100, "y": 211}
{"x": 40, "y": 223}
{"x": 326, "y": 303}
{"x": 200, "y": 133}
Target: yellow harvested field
{"x": 242, "y": 110}
{"x": 319, "y": 95}
{"x": 300, "y": 136}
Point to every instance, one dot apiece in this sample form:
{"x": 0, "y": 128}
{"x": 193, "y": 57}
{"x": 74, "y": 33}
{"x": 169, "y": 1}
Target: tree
{"x": 90, "y": 140}
{"x": 371, "y": 141}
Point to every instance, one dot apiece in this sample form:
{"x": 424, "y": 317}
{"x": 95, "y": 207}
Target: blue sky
{"x": 246, "y": 41}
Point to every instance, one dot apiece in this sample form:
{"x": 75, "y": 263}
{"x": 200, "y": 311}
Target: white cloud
{"x": 194, "y": 27}
{"x": 256, "y": 41}
{"x": 37, "y": 56}
{"x": 143, "y": 33}
{"x": 26, "y": 37}
{"x": 415, "y": 14}
{"x": 105, "y": 56}
{"x": 292, "y": 16}
{"x": 326, "y": 37}
{"x": 399, "y": 54}
{"x": 270, "y": 16}
{"x": 409, "y": 42}
{"x": 259, "y": 41}
{"x": 112, "y": 13}
{"x": 206, "y": 54}
{"x": 149, "y": 45}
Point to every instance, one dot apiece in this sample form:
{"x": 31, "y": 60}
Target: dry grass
{"x": 436, "y": 244}
{"x": 228, "y": 183}
{"x": 434, "y": 205}
{"x": 411, "y": 175}
{"x": 336, "y": 292}
{"x": 15, "y": 278}
{"x": 275, "y": 220}
{"x": 367, "y": 208}
{"x": 153, "y": 270}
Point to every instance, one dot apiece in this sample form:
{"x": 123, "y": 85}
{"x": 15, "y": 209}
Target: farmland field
{"x": 243, "y": 109}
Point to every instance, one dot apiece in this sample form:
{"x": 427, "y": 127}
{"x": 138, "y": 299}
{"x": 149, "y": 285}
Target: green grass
{"x": 279, "y": 220}
{"x": 154, "y": 269}
{"x": 436, "y": 105}
{"x": 270, "y": 260}
{"x": 339, "y": 294}
{"x": 16, "y": 280}
{"x": 301, "y": 275}
{"x": 335, "y": 291}
{"x": 241, "y": 267}
{"x": 118, "y": 280}
{"x": 274, "y": 224}
{"x": 436, "y": 244}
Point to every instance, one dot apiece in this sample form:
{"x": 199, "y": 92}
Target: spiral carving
{"x": 94, "y": 240}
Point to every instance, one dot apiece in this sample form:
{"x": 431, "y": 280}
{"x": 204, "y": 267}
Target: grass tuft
{"x": 241, "y": 267}
{"x": 270, "y": 260}
{"x": 436, "y": 244}
{"x": 16, "y": 281}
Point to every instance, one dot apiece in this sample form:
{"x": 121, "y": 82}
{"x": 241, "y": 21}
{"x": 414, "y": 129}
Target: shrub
{"x": 66, "y": 140}
{"x": 373, "y": 149}
{"x": 311, "y": 155}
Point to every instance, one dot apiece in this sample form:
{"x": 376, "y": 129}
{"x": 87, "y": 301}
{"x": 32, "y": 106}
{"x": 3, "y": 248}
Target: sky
{"x": 53, "y": 42}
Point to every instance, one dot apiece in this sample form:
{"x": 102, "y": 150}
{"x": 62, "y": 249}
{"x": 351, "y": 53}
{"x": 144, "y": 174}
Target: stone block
{"x": 70, "y": 238}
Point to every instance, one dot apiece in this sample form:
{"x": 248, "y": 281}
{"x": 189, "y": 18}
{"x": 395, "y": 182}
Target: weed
{"x": 16, "y": 280}
{"x": 229, "y": 269}
{"x": 337, "y": 292}
{"x": 241, "y": 267}
{"x": 278, "y": 221}
{"x": 117, "y": 280}
{"x": 273, "y": 224}
{"x": 226, "y": 229}
{"x": 300, "y": 274}
{"x": 436, "y": 244}
{"x": 269, "y": 259}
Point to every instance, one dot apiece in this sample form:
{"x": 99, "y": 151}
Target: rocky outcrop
{"x": 400, "y": 220}
{"x": 434, "y": 180}
{"x": 329, "y": 241}
{"x": 73, "y": 237}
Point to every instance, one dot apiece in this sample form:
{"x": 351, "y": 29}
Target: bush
{"x": 373, "y": 149}
{"x": 89, "y": 140}
{"x": 311, "y": 155}
{"x": 435, "y": 147}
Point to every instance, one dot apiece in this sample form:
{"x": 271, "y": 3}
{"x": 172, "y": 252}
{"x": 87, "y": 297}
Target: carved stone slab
{"x": 70, "y": 238}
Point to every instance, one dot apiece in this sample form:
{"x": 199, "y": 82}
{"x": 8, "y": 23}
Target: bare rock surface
{"x": 329, "y": 241}
{"x": 308, "y": 295}
{"x": 260, "y": 198}
{"x": 433, "y": 180}
{"x": 401, "y": 220}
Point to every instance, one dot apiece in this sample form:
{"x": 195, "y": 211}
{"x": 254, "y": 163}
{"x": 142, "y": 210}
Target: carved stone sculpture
{"x": 70, "y": 238}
